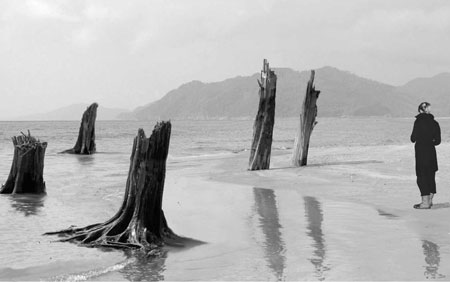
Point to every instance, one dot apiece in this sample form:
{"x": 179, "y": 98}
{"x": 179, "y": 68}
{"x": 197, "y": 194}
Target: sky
{"x": 126, "y": 54}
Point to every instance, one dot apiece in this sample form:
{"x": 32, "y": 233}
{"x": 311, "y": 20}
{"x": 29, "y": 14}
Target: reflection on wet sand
{"x": 29, "y": 204}
{"x": 432, "y": 258}
{"x": 313, "y": 213}
{"x": 274, "y": 247}
{"x": 145, "y": 268}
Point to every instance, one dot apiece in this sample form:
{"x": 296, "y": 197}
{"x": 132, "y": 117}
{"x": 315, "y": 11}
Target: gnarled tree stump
{"x": 140, "y": 222}
{"x": 86, "y": 137}
{"x": 27, "y": 169}
{"x": 307, "y": 122}
{"x": 265, "y": 119}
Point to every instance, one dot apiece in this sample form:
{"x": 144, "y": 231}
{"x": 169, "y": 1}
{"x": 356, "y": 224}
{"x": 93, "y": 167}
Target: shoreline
{"x": 346, "y": 216}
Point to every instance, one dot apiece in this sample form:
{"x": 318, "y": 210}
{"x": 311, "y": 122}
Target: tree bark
{"x": 140, "y": 222}
{"x": 307, "y": 122}
{"x": 85, "y": 144}
{"x": 27, "y": 169}
{"x": 265, "y": 118}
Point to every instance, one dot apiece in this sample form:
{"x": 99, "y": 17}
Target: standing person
{"x": 426, "y": 134}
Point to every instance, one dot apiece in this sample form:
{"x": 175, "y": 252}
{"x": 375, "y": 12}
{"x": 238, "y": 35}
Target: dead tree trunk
{"x": 86, "y": 137}
{"x": 27, "y": 169}
{"x": 265, "y": 119}
{"x": 140, "y": 222}
{"x": 307, "y": 122}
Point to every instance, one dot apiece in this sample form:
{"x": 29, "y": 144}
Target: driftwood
{"x": 265, "y": 118}
{"x": 27, "y": 169}
{"x": 140, "y": 222}
{"x": 85, "y": 144}
{"x": 307, "y": 122}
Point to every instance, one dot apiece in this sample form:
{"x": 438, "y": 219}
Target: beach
{"x": 347, "y": 215}
{"x": 361, "y": 220}
{"x": 180, "y": 102}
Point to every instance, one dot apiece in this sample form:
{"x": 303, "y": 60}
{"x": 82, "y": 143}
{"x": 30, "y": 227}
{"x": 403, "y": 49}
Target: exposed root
{"x": 96, "y": 236}
{"x": 140, "y": 222}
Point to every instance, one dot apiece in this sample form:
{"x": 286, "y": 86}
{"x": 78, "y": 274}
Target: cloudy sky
{"x": 126, "y": 54}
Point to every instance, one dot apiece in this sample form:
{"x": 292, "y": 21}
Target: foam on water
{"x": 91, "y": 274}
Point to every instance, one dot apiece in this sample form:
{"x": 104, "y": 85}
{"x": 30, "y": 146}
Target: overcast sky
{"x": 128, "y": 53}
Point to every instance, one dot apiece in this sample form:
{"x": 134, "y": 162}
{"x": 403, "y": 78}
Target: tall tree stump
{"x": 265, "y": 118}
{"x": 140, "y": 222}
{"x": 308, "y": 115}
{"x": 86, "y": 137}
{"x": 27, "y": 169}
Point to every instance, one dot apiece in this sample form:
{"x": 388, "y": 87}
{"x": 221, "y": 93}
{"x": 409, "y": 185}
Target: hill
{"x": 342, "y": 94}
{"x": 74, "y": 112}
{"x": 435, "y": 90}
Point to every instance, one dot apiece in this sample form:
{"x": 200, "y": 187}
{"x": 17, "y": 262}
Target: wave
{"x": 282, "y": 148}
{"x": 179, "y": 158}
{"x": 88, "y": 275}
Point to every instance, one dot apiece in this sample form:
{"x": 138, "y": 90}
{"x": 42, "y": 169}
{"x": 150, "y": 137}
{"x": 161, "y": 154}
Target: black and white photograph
{"x": 224, "y": 140}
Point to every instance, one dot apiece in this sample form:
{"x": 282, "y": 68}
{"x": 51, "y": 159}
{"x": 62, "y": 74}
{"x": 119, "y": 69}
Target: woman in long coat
{"x": 426, "y": 134}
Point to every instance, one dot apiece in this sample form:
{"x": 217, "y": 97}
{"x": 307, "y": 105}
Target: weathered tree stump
{"x": 27, "y": 169}
{"x": 264, "y": 122}
{"x": 86, "y": 137}
{"x": 140, "y": 222}
{"x": 307, "y": 122}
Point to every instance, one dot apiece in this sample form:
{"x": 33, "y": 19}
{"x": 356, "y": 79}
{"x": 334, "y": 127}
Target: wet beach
{"x": 346, "y": 216}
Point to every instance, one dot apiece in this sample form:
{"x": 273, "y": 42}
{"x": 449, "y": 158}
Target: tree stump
{"x": 265, "y": 118}
{"x": 86, "y": 137}
{"x": 307, "y": 122}
{"x": 27, "y": 169}
{"x": 140, "y": 222}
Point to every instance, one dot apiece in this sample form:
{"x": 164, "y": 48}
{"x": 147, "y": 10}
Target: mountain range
{"x": 342, "y": 94}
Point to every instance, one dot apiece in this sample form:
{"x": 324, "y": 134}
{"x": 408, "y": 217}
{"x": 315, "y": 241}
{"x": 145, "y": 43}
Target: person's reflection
{"x": 313, "y": 213}
{"x": 29, "y": 204}
{"x": 145, "y": 268}
{"x": 274, "y": 246}
{"x": 432, "y": 258}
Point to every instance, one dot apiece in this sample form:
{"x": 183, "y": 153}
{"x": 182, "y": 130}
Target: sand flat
{"x": 346, "y": 216}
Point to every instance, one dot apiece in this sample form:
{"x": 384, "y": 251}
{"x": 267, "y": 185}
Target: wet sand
{"x": 346, "y": 216}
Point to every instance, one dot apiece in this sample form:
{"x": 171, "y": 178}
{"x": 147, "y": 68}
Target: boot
{"x": 431, "y": 199}
{"x": 425, "y": 203}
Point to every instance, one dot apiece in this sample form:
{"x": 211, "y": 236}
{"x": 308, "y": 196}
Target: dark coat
{"x": 426, "y": 134}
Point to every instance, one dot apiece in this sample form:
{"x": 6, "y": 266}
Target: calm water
{"x": 251, "y": 233}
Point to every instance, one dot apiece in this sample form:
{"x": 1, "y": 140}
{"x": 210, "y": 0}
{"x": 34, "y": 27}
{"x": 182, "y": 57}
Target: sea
{"x": 244, "y": 229}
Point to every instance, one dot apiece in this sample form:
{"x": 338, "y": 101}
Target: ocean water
{"x": 249, "y": 233}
